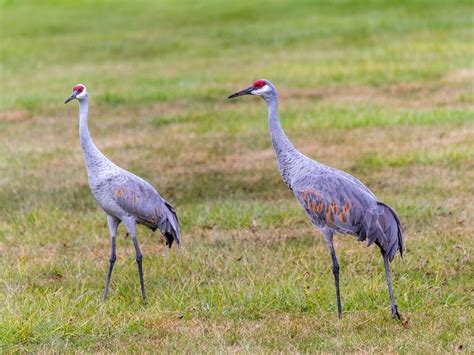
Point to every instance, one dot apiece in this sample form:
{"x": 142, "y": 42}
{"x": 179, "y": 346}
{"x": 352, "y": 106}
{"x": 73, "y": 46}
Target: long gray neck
{"x": 286, "y": 153}
{"x": 93, "y": 158}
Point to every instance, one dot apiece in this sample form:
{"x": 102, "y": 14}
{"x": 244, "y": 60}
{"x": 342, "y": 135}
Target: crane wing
{"x": 139, "y": 199}
{"x": 333, "y": 201}
{"x": 347, "y": 206}
{"x": 136, "y": 197}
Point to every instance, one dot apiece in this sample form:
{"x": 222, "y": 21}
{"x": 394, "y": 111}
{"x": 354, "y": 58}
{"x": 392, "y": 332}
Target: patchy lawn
{"x": 382, "y": 90}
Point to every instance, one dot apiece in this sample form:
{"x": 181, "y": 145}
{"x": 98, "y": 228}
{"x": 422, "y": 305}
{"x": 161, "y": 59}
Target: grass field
{"x": 380, "y": 89}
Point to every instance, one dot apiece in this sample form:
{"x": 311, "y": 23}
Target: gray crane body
{"x": 338, "y": 202}
{"x": 333, "y": 200}
{"x": 123, "y": 196}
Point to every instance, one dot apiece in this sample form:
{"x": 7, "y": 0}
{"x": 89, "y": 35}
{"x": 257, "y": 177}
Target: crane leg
{"x": 335, "y": 271}
{"x": 390, "y": 291}
{"x": 130, "y": 224}
{"x": 113, "y": 225}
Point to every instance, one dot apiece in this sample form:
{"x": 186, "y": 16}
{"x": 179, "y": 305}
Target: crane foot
{"x": 395, "y": 313}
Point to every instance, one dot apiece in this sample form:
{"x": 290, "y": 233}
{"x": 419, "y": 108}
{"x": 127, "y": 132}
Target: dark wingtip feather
{"x": 399, "y": 232}
{"x": 170, "y": 238}
{"x": 170, "y": 226}
{"x": 382, "y": 227}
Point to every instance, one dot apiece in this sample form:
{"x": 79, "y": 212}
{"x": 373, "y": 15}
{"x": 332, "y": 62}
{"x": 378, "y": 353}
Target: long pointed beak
{"x": 247, "y": 91}
{"x": 72, "y": 97}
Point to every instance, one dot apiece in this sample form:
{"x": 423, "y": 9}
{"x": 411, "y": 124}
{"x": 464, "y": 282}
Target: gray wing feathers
{"x": 392, "y": 230}
{"x": 382, "y": 227}
{"x": 347, "y": 207}
{"x": 140, "y": 200}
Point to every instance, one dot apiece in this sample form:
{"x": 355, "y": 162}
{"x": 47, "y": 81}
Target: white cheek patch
{"x": 262, "y": 91}
{"x": 81, "y": 95}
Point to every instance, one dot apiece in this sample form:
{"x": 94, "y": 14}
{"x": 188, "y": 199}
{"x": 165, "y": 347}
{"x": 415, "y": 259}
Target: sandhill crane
{"x": 123, "y": 196}
{"x": 334, "y": 200}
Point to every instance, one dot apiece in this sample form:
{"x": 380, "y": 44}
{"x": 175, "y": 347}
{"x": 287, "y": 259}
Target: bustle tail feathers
{"x": 384, "y": 229}
{"x": 169, "y": 225}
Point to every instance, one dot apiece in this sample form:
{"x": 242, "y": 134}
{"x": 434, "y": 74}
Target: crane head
{"x": 260, "y": 87}
{"x": 78, "y": 92}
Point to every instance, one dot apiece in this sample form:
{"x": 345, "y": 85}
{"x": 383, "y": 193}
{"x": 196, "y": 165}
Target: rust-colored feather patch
{"x": 119, "y": 192}
{"x": 329, "y": 215}
{"x": 319, "y": 207}
{"x": 304, "y": 196}
{"x": 312, "y": 200}
{"x": 342, "y": 217}
{"x": 127, "y": 194}
{"x": 346, "y": 210}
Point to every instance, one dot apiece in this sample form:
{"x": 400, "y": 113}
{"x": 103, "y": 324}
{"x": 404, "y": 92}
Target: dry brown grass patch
{"x": 14, "y": 116}
{"x": 402, "y": 95}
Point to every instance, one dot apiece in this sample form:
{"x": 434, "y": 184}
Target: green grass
{"x": 381, "y": 89}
